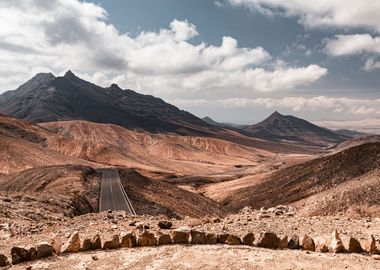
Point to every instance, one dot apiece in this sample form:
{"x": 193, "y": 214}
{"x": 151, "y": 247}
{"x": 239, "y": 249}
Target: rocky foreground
{"x": 249, "y": 240}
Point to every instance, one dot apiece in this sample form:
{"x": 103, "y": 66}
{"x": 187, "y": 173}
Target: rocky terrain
{"x": 337, "y": 175}
{"x": 259, "y": 237}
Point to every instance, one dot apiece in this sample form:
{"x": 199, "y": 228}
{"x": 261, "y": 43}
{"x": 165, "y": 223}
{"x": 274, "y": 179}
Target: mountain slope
{"x": 293, "y": 184}
{"x": 24, "y": 145}
{"x": 46, "y": 98}
{"x": 115, "y": 145}
{"x": 278, "y": 127}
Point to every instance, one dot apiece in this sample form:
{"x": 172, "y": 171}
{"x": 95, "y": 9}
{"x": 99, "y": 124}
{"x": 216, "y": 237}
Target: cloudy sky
{"x": 234, "y": 60}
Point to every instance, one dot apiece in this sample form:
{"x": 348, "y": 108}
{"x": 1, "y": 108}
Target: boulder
{"x": 112, "y": 243}
{"x": 181, "y": 236}
{"x": 268, "y": 240}
{"x": 283, "y": 242}
{"x": 72, "y": 244}
{"x": 321, "y": 246}
{"x": 19, "y": 255}
{"x": 3, "y": 260}
{"x": 164, "y": 239}
{"x": 32, "y": 253}
{"x": 370, "y": 245}
{"x": 146, "y": 238}
{"x": 222, "y": 238}
{"x": 128, "y": 240}
{"x": 44, "y": 250}
{"x": 211, "y": 239}
{"x": 308, "y": 243}
{"x": 233, "y": 240}
{"x": 249, "y": 239}
{"x": 56, "y": 243}
{"x": 337, "y": 244}
{"x": 354, "y": 246}
{"x": 96, "y": 242}
{"x": 197, "y": 237}
{"x": 164, "y": 224}
{"x": 294, "y": 242}
{"x": 86, "y": 244}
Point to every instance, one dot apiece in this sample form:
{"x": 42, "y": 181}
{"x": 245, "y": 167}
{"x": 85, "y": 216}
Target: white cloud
{"x": 56, "y": 35}
{"x": 296, "y": 104}
{"x": 321, "y": 13}
{"x": 353, "y": 44}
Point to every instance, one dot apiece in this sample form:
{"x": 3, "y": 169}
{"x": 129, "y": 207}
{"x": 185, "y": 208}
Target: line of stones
{"x": 145, "y": 238}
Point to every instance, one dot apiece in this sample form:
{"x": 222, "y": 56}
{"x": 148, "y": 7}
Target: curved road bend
{"x": 112, "y": 194}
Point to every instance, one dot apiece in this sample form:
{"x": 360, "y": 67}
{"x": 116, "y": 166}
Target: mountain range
{"x": 47, "y": 98}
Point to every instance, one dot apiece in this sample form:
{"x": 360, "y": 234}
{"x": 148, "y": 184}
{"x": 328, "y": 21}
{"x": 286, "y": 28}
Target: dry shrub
{"x": 366, "y": 210}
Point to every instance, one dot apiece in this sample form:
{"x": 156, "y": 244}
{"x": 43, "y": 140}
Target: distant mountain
{"x": 47, "y": 98}
{"x": 351, "y": 133}
{"x": 211, "y": 121}
{"x": 278, "y": 127}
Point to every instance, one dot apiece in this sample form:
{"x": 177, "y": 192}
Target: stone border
{"x": 144, "y": 238}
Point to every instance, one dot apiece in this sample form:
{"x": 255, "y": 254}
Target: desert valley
{"x": 177, "y": 134}
{"x": 182, "y": 175}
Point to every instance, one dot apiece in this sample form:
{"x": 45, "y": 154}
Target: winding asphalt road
{"x": 112, "y": 193}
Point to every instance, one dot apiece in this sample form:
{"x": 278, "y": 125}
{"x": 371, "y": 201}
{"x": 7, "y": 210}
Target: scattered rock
{"x": 370, "y": 245}
{"x": 181, "y": 236}
{"x": 222, "y": 238}
{"x": 354, "y": 246}
{"x": 128, "y": 240}
{"x": 268, "y": 240}
{"x": 197, "y": 237}
{"x": 32, "y": 253}
{"x": 56, "y": 242}
{"x": 233, "y": 240}
{"x": 321, "y": 246}
{"x": 294, "y": 242}
{"x": 337, "y": 244}
{"x": 96, "y": 242}
{"x": 44, "y": 250}
{"x": 308, "y": 243}
{"x": 19, "y": 255}
{"x": 72, "y": 244}
{"x": 146, "y": 238}
{"x": 3, "y": 260}
{"x": 283, "y": 242}
{"x": 249, "y": 239}
{"x": 376, "y": 257}
{"x": 263, "y": 215}
{"x": 211, "y": 239}
{"x": 86, "y": 244}
{"x": 95, "y": 258}
{"x": 216, "y": 220}
{"x": 112, "y": 243}
{"x": 164, "y": 239}
{"x": 164, "y": 224}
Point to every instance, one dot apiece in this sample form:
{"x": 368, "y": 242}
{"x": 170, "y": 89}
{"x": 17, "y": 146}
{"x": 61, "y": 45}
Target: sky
{"x": 233, "y": 60}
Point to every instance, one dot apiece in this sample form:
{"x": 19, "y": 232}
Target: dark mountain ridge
{"x": 47, "y": 98}
{"x": 278, "y": 127}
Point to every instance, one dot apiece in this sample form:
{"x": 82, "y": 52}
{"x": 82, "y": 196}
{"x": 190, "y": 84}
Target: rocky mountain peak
{"x": 70, "y": 75}
{"x": 115, "y": 86}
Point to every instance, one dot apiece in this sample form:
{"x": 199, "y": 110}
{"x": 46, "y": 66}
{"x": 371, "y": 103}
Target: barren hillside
{"x": 313, "y": 177}
{"x": 114, "y": 145}
{"x": 24, "y": 145}
{"x": 77, "y": 184}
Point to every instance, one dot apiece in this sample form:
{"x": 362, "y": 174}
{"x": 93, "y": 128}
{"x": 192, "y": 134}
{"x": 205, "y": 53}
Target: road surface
{"x": 112, "y": 194}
